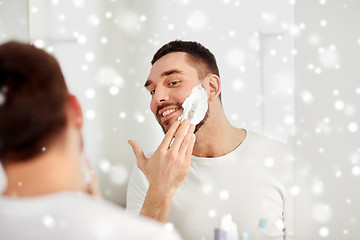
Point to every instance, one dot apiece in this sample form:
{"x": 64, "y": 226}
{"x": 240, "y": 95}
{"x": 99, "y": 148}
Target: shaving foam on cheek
{"x": 195, "y": 105}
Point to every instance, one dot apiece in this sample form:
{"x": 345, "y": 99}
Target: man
{"x": 41, "y": 153}
{"x": 232, "y": 171}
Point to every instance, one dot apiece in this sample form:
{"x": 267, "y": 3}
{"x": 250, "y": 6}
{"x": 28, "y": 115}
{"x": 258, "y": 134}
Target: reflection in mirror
{"x": 288, "y": 69}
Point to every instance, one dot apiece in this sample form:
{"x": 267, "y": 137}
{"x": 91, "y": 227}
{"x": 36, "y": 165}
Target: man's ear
{"x": 74, "y": 111}
{"x": 214, "y": 85}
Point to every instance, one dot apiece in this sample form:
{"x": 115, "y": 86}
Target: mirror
{"x": 289, "y": 71}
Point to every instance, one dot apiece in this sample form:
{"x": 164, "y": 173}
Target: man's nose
{"x": 160, "y": 95}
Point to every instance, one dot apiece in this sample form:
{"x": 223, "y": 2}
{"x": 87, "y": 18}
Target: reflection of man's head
{"x": 197, "y": 57}
{"x": 33, "y": 111}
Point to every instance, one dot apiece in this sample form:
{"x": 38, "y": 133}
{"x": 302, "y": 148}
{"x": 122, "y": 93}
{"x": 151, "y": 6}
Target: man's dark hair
{"x": 198, "y": 56}
{"x": 33, "y": 97}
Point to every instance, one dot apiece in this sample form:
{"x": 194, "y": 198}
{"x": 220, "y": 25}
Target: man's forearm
{"x": 157, "y": 205}
{"x": 166, "y": 169}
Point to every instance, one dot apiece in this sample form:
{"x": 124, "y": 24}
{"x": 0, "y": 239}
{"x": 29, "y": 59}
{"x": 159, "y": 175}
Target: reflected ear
{"x": 214, "y": 86}
{"x": 74, "y": 111}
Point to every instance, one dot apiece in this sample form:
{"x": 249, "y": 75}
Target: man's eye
{"x": 173, "y": 83}
{"x": 152, "y": 92}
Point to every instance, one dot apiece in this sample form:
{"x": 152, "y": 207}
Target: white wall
{"x": 328, "y": 118}
{"x": 13, "y": 25}
{"x": 14, "y": 22}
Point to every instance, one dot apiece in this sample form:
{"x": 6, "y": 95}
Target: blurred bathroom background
{"x": 290, "y": 70}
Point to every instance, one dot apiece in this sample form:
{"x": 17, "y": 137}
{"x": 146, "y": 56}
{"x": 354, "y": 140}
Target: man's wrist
{"x": 157, "y": 203}
{"x": 165, "y": 194}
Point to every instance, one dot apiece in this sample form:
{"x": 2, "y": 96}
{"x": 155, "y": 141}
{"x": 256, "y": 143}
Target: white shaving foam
{"x": 195, "y": 105}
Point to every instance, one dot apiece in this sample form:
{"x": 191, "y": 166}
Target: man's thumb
{"x": 139, "y": 154}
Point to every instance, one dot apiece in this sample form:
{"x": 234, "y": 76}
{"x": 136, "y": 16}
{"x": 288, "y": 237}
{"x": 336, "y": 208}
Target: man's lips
{"x": 167, "y": 112}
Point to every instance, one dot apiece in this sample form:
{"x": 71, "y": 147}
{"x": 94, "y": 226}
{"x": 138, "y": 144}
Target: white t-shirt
{"x": 251, "y": 183}
{"x": 73, "y": 216}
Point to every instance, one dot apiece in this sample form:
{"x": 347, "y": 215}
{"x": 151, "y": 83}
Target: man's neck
{"x": 46, "y": 174}
{"x": 217, "y": 137}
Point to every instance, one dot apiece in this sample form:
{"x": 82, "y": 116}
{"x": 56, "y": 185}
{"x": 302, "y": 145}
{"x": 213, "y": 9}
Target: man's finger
{"x": 180, "y": 134}
{"x": 190, "y": 148}
{"x": 139, "y": 154}
{"x": 189, "y": 140}
{"x": 93, "y": 187}
{"x": 169, "y": 135}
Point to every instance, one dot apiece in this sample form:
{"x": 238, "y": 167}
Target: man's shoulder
{"x": 85, "y": 216}
{"x": 267, "y": 147}
{"x": 266, "y": 140}
{"x": 126, "y": 225}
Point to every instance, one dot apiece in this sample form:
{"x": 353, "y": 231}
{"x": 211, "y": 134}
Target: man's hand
{"x": 166, "y": 169}
{"x": 92, "y": 184}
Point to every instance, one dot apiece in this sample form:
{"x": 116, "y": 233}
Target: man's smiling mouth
{"x": 167, "y": 112}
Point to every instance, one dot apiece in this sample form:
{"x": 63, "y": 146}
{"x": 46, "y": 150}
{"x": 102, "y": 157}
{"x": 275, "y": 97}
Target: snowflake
{"x": 224, "y": 195}
{"x": 212, "y": 213}
{"x": 307, "y": 96}
{"x": 90, "y": 114}
{"x": 269, "y": 18}
{"x": 119, "y": 174}
{"x": 197, "y": 21}
{"x": 324, "y": 232}
{"x": 89, "y": 56}
{"x": 122, "y": 115}
{"x": 48, "y": 221}
{"x": 139, "y": 117}
{"x": 235, "y": 57}
{"x": 104, "y": 165}
{"x": 2, "y": 98}
{"x": 321, "y": 212}
{"x": 353, "y": 127}
{"x": 114, "y": 90}
{"x": 90, "y": 93}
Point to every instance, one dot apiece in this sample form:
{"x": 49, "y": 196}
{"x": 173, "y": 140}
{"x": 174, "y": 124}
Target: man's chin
{"x": 165, "y": 126}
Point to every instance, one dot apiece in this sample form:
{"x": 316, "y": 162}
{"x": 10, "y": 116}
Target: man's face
{"x": 170, "y": 82}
